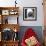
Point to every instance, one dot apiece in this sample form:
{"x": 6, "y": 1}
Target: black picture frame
{"x": 29, "y": 13}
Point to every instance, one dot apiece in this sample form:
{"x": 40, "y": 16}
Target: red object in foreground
{"x": 29, "y": 33}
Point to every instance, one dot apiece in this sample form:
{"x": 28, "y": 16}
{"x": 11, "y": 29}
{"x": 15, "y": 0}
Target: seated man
{"x": 30, "y": 38}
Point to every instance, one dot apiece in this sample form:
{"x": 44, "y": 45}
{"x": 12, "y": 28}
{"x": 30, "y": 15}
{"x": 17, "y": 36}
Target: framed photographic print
{"x": 13, "y": 12}
{"x": 13, "y": 20}
{"x": 5, "y": 12}
{"x": 5, "y": 20}
{"x": 30, "y": 13}
{"x": 7, "y": 34}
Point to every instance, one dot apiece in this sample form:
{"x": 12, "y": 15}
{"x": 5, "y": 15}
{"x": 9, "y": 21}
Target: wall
{"x": 26, "y": 3}
{"x": 33, "y": 3}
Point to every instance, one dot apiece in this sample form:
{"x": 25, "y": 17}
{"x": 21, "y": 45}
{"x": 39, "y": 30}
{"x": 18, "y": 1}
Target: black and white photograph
{"x": 30, "y": 13}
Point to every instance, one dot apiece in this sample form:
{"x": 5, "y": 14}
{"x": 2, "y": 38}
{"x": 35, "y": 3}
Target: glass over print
{"x": 30, "y": 13}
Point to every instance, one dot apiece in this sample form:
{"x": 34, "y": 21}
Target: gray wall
{"x": 37, "y": 29}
